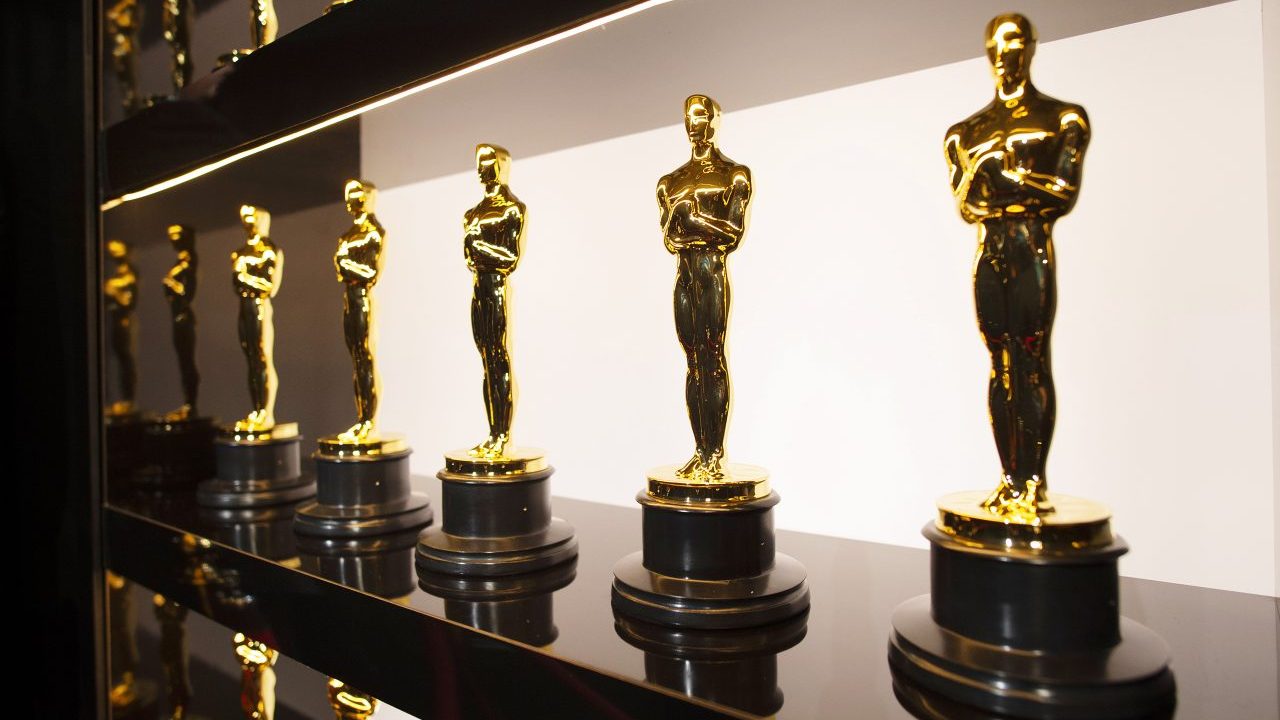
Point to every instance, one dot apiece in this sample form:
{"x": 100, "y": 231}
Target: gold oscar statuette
{"x": 705, "y": 207}
{"x": 123, "y": 20}
{"x": 124, "y": 647}
{"x": 257, "y": 677}
{"x": 493, "y": 239}
{"x": 121, "y": 291}
{"x": 1015, "y": 168}
{"x": 349, "y": 703}
{"x": 358, "y": 263}
{"x": 177, "y": 16}
{"x": 180, "y": 291}
{"x": 263, "y": 27}
{"x": 708, "y": 557}
{"x": 257, "y": 270}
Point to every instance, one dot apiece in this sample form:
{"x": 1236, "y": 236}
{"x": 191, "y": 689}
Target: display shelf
{"x": 563, "y": 652}
{"x": 357, "y": 53}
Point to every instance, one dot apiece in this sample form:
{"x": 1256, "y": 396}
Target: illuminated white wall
{"x": 859, "y": 377}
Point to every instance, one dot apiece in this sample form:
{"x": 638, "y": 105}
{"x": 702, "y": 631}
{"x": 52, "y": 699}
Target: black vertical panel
{"x": 48, "y": 265}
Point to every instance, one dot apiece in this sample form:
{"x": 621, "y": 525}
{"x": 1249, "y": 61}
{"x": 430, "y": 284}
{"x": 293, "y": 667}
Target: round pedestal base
{"x": 495, "y": 525}
{"x": 379, "y": 565}
{"x": 935, "y": 669}
{"x": 177, "y": 452}
{"x": 362, "y": 496}
{"x": 124, "y": 440}
{"x": 518, "y": 607}
{"x": 772, "y": 596}
{"x": 256, "y": 473}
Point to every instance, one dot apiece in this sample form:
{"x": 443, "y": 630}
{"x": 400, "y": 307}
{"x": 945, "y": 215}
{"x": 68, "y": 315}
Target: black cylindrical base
{"x": 251, "y": 474}
{"x": 496, "y": 526}
{"x": 265, "y": 530}
{"x": 125, "y": 452}
{"x": 362, "y": 496}
{"x": 1027, "y": 635}
{"x": 709, "y": 566}
{"x": 518, "y": 607}
{"x": 177, "y": 452}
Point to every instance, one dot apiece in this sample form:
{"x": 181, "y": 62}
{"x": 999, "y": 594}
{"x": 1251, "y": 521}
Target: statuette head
{"x": 117, "y": 250}
{"x": 1011, "y": 41}
{"x": 493, "y": 163}
{"x": 360, "y": 196}
{"x": 701, "y": 119}
{"x": 256, "y": 221}
{"x": 181, "y": 237}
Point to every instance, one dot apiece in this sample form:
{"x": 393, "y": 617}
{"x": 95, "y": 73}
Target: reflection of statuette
{"x": 173, "y": 654}
{"x": 177, "y": 32}
{"x": 349, "y": 703}
{"x": 708, "y": 557}
{"x": 1023, "y": 617}
{"x": 130, "y": 696}
{"x": 362, "y": 477}
{"x": 121, "y": 290}
{"x": 257, "y": 678}
{"x": 180, "y": 290}
{"x": 1015, "y": 169}
{"x": 496, "y": 497}
{"x": 263, "y": 27}
{"x": 124, "y": 18}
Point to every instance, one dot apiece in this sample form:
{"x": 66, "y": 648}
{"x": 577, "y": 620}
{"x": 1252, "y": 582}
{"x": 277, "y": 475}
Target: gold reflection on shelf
{"x": 263, "y": 27}
{"x": 124, "y": 18}
{"x": 121, "y": 291}
{"x": 180, "y": 290}
{"x": 257, "y": 271}
{"x": 705, "y": 208}
{"x": 358, "y": 263}
{"x": 176, "y": 17}
{"x": 123, "y": 646}
{"x": 257, "y": 678}
{"x": 1015, "y": 169}
{"x": 349, "y": 703}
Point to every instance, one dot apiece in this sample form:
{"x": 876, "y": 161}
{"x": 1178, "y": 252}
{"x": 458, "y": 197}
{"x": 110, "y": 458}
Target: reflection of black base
{"x": 518, "y": 607}
{"x": 177, "y": 452}
{"x": 361, "y": 496}
{"x": 379, "y": 565}
{"x": 266, "y": 472}
{"x": 145, "y": 705}
{"x": 712, "y": 566}
{"x": 1028, "y": 636}
{"x": 738, "y": 668}
{"x": 125, "y": 453}
{"x": 496, "y": 526}
{"x": 266, "y": 531}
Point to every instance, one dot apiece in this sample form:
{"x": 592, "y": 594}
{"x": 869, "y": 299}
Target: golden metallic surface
{"x": 124, "y": 19}
{"x": 358, "y": 263}
{"x": 173, "y": 654}
{"x": 705, "y": 207}
{"x": 514, "y": 461}
{"x": 263, "y": 27}
{"x": 1075, "y": 524}
{"x": 180, "y": 290}
{"x": 124, "y": 647}
{"x": 176, "y": 17}
{"x": 257, "y": 679}
{"x": 257, "y": 271}
{"x": 279, "y": 431}
{"x": 493, "y": 239}
{"x": 349, "y": 703}
{"x": 1015, "y": 169}
{"x": 736, "y": 483}
{"x": 335, "y": 5}
{"x": 121, "y": 291}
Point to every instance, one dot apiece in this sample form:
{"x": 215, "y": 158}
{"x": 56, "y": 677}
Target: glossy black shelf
{"x": 357, "y": 53}
{"x": 555, "y": 646}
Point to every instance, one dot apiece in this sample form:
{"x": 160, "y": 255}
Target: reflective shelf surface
{"x": 550, "y": 643}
